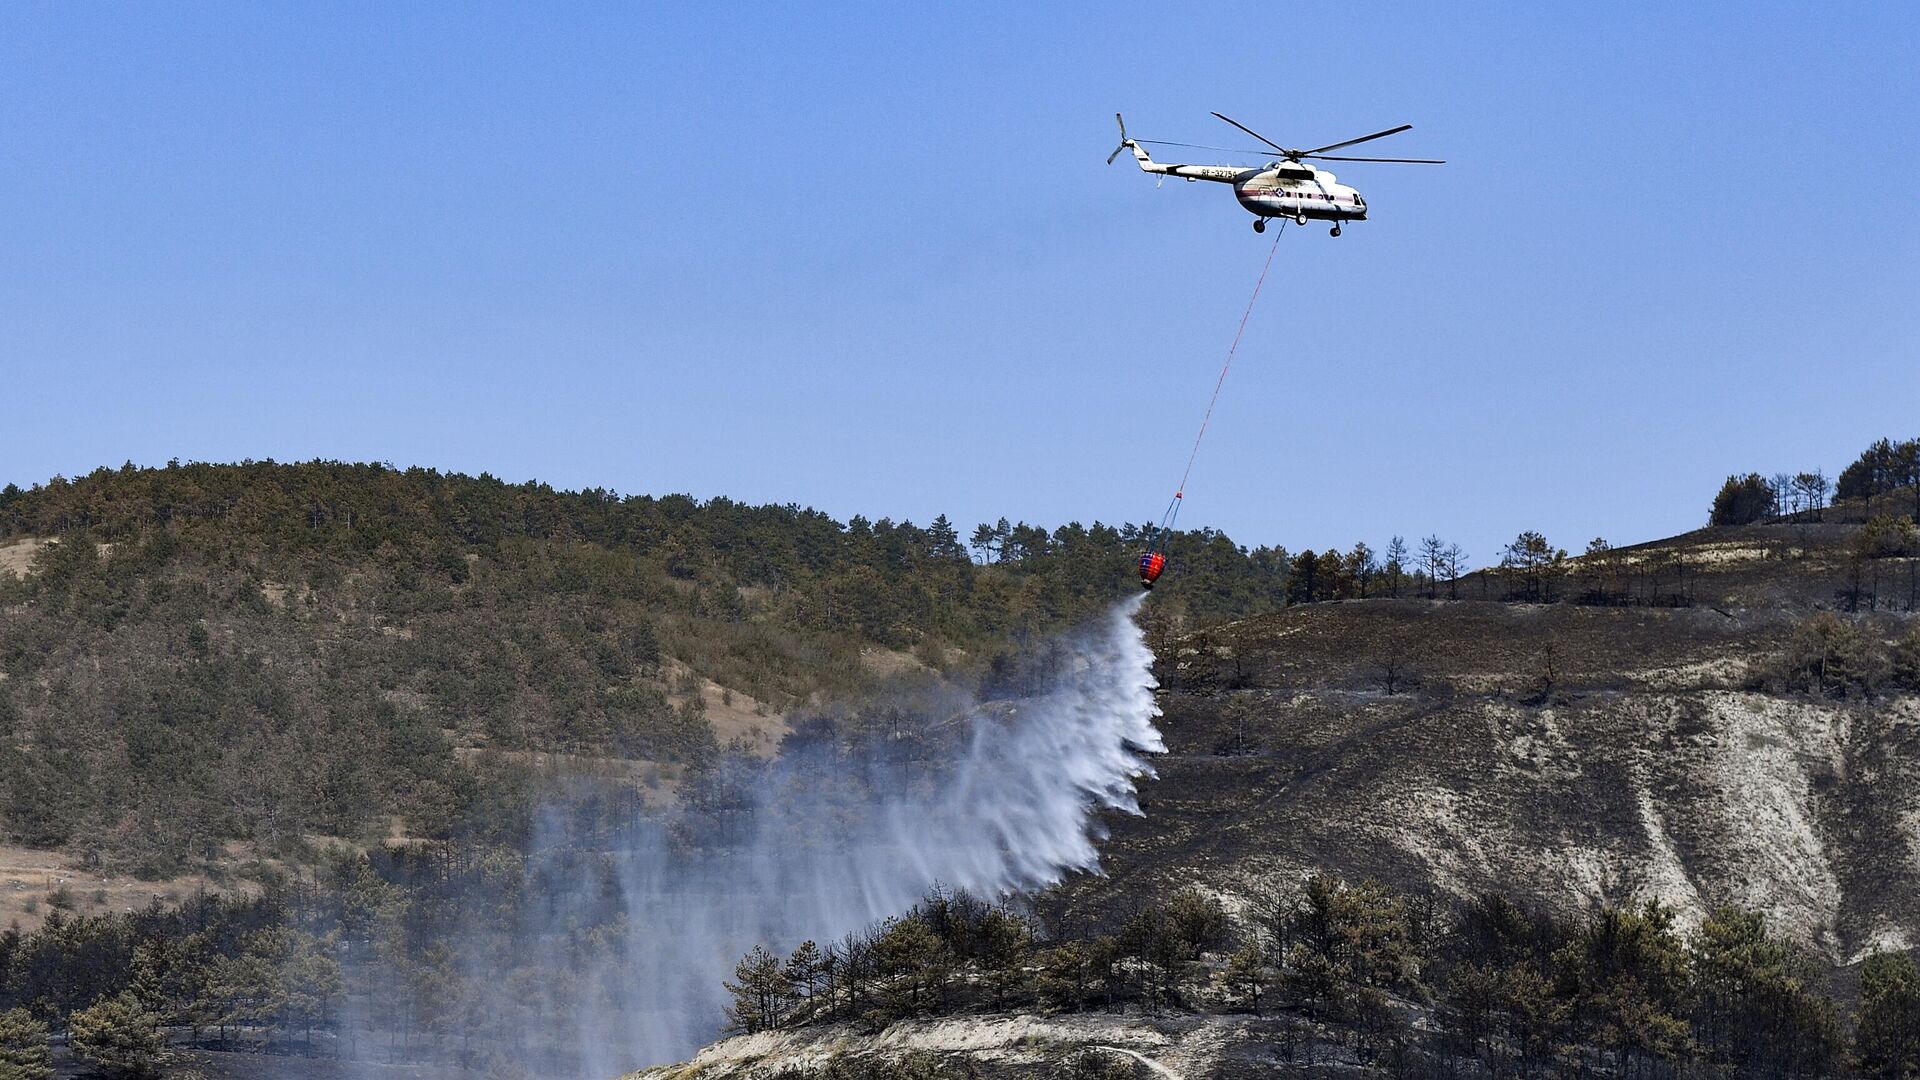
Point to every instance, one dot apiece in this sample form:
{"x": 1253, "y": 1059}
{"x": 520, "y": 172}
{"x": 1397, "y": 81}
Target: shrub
{"x": 1906, "y": 659}
{"x": 1828, "y": 655}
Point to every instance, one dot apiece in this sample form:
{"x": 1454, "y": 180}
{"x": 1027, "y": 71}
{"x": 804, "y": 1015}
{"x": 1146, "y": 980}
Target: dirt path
{"x": 1158, "y": 1069}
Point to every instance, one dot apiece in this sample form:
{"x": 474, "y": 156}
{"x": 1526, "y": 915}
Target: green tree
{"x": 1330, "y": 580}
{"x": 1627, "y": 976}
{"x": 804, "y": 970}
{"x": 1363, "y": 566}
{"x": 760, "y": 993}
{"x": 1536, "y": 562}
{"x": 1906, "y": 469}
{"x": 1906, "y": 659}
{"x": 1503, "y": 1013}
{"x": 1887, "y": 1027}
{"x": 1303, "y": 580}
{"x": 1829, "y": 655}
{"x": 1757, "y": 999}
{"x": 119, "y": 1037}
{"x": 311, "y": 984}
{"x": 1314, "y": 980}
{"x": 1742, "y": 500}
{"x": 24, "y": 1054}
{"x": 911, "y": 960}
{"x": 1871, "y": 474}
{"x": 1362, "y": 930}
{"x": 1005, "y": 943}
{"x": 1198, "y": 921}
{"x": 1246, "y": 974}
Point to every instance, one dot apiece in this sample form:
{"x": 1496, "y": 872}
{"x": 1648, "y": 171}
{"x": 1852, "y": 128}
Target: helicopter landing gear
{"x": 1335, "y": 231}
{"x": 1259, "y": 224}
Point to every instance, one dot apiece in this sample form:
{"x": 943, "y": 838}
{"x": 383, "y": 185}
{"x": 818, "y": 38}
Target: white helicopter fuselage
{"x": 1271, "y": 193}
{"x": 1287, "y": 189}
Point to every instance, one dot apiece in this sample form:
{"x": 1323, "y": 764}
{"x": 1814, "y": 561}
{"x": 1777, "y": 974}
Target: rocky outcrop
{"x": 1024, "y": 1047}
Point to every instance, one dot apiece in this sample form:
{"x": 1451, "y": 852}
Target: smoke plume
{"x": 823, "y": 841}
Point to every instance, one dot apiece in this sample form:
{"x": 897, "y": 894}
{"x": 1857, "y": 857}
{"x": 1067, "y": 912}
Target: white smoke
{"x": 826, "y": 844}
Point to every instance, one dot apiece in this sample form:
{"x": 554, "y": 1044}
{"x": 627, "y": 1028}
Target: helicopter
{"x": 1286, "y": 188}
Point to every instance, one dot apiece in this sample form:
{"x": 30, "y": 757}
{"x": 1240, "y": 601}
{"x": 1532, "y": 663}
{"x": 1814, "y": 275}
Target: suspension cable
{"x": 1179, "y": 493}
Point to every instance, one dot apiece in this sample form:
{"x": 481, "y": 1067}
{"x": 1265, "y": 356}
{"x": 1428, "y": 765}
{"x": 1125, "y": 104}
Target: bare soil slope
{"x": 1573, "y": 755}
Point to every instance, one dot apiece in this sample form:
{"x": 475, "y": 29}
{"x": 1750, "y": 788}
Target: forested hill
{"x": 198, "y": 654}
{"x": 889, "y": 583}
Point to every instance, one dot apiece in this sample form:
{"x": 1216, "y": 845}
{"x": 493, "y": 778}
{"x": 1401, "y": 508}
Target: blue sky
{"x": 866, "y": 257}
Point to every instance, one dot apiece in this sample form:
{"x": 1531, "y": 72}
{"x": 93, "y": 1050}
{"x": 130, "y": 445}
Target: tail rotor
{"x": 1124, "y": 141}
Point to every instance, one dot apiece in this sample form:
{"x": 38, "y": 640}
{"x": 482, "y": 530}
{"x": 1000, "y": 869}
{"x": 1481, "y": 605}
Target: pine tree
{"x": 1396, "y": 566}
{"x": 1906, "y": 659}
{"x": 119, "y": 1037}
{"x": 1757, "y": 1004}
{"x": 1742, "y": 500}
{"x": 24, "y": 1054}
{"x": 1246, "y": 974}
{"x": 804, "y": 969}
{"x": 1887, "y": 1027}
{"x": 943, "y": 540}
{"x": 1453, "y": 564}
{"x": 1303, "y": 578}
{"x": 1362, "y": 566}
{"x": 760, "y": 993}
{"x": 311, "y": 982}
{"x": 1433, "y": 557}
{"x": 1537, "y": 561}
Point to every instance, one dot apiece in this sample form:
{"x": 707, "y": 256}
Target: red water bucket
{"x": 1150, "y": 566}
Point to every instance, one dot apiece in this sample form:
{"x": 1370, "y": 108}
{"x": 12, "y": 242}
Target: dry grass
{"x": 35, "y": 882}
{"x": 16, "y": 557}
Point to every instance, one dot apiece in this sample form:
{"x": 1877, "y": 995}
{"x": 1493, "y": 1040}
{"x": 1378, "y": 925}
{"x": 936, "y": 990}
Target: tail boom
{"x": 1222, "y": 174}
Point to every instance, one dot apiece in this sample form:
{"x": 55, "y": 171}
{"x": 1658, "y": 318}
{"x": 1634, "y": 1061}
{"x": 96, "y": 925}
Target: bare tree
{"x": 1392, "y": 671}
{"x": 1397, "y": 559}
{"x": 1433, "y": 556}
{"x": 1782, "y": 485}
{"x": 1819, "y": 488}
{"x": 1549, "y": 676}
{"x": 1810, "y": 491}
{"x": 1454, "y": 563}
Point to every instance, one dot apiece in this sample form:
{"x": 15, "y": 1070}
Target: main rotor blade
{"x": 1351, "y": 142}
{"x": 1261, "y": 137}
{"x": 1397, "y": 160}
{"x": 1216, "y": 149}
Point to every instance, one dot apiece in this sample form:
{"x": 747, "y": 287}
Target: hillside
{"x": 1757, "y": 745}
{"x": 1578, "y": 755}
{"x": 440, "y": 726}
{"x": 202, "y": 655}
{"x": 1699, "y": 723}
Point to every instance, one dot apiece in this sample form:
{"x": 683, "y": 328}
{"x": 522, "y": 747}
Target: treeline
{"x": 259, "y": 652}
{"x": 1880, "y": 471}
{"x": 889, "y": 582}
{"x": 1357, "y": 972}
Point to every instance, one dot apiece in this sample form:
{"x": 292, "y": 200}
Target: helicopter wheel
{"x": 1259, "y": 224}
{"x": 1335, "y": 232}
